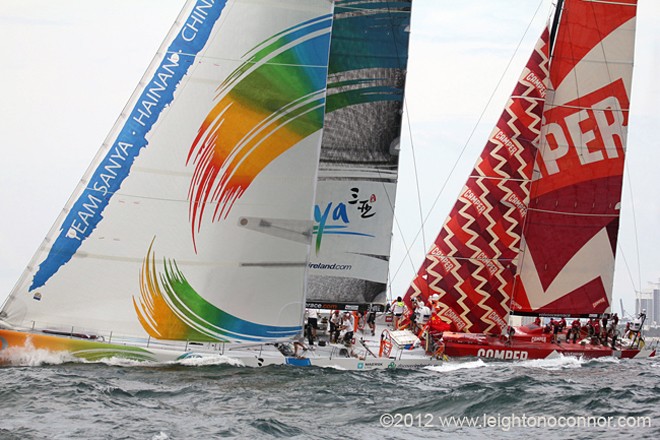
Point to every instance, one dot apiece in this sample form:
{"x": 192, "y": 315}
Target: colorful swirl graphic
{"x": 169, "y": 308}
{"x": 271, "y": 102}
{"x": 367, "y": 53}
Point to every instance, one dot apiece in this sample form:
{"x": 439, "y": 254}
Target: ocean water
{"x": 565, "y": 398}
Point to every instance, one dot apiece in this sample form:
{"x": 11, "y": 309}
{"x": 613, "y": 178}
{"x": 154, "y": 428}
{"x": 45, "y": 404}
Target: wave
{"x": 120, "y": 362}
{"x": 203, "y": 361}
{"x": 557, "y": 363}
{"x": 605, "y": 360}
{"x": 454, "y": 366}
{"x": 29, "y": 356}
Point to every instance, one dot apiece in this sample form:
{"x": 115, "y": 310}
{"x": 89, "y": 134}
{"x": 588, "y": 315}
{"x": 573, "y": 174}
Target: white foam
{"x": 120, "y": 362}
{"x": 160, "y": 436}
{"x": 454, "y": 366}
{"x": 29, "y": 356}
{"x": 333, "y": 367}
{"x": 556, "y": 363}
{"x": 202, "y": 361}
{"x": 606, "y": 360}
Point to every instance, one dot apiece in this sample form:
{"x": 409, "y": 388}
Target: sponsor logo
{"x": 503, "y": 354}
{"x": 539, "y": 339}
{"x": 537, "y": 82}
{"x": 515, "y": 201}
{"x": 488, "y": 262}
{"x": 497, "y": 319}
{"x": 333, "y": 266}
{"x": 586, "y": 132}
{"x": 86, "y": 212}
{"x": 446, "y": 262}
{"x": 334, "y": 219}
{"x": 508, "y": 143}
{"x": 515, "y": 305}
{"x": 449, "y": 313}
{"x": 474, "y": 199}
{"x": 343, "y": 306}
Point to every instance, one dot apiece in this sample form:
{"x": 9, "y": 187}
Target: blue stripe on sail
{"x": 86, "y": 212}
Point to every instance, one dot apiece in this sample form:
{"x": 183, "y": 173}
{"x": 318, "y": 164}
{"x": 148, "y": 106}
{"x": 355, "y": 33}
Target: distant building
{"x": 649, "y": 301}
{"x": 656, "y": 306}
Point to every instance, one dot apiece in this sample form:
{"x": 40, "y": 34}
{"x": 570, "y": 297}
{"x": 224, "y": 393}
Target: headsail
{"x": 189, "y": 224}
{"x": 359, "y": 156}
{"x": 472, "y": 263}
{"x": 534, "y": 229}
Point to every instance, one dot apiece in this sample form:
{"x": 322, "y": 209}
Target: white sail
{"x": 360, "y": 152}
{"x": 189, "y": 223}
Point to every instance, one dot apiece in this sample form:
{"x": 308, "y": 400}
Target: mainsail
{"x": 534, "y": 229}
{"x": 359, "y": 156}
{"x": 571, "y": 229}
{"x": 189, "y": 223}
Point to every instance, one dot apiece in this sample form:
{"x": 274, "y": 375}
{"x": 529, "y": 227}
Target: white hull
{"x": 16, "y": 344}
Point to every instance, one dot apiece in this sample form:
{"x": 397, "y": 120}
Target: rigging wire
{"x": 420, "y": 231}
{"x": 637, "y": 288}
{"x": 625, "y": 262}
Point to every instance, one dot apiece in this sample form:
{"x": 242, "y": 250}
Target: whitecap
{"x": 29, "y": 356}
{"x": 555, "y": 363}
{"x": 333, "y": 367}
{"x": 454, "y": 366}
{"x": 120, "y": 362}
{"x": 606, "y": 360}
{"x": 203, "y": 361}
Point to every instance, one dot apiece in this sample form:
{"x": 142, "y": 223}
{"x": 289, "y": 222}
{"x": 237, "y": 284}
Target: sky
{"x": 70, "y": 66}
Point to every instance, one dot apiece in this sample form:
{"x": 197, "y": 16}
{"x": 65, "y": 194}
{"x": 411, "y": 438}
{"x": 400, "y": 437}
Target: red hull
{"x": 528, "y": 347}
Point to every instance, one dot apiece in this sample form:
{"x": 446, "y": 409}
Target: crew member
{"x": 371, "y": 321}
{"x": 312, "y": 324}
{"x": 398, "y": 308}
{"x": 335, "y": 323}
{"x": 347, "y": 326}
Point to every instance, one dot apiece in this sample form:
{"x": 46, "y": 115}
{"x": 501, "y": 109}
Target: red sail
{"x": 567, "y": 261}
{"x": 473, "y": 261}
{"x": 534, "y": 229}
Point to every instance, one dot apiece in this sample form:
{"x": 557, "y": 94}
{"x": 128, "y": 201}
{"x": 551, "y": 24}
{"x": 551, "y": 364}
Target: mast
{"x": 555, "y": 24}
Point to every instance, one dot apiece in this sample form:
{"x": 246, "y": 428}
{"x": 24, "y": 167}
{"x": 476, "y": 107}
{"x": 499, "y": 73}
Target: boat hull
{"x": 461, "y": 345}
{"x": 15, "y": 345}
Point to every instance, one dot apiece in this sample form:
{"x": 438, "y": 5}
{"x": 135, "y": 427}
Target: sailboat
{"x": 253, "y": 171}
{"x": 253, "y": 174}
{"x": 534, "y": 229}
